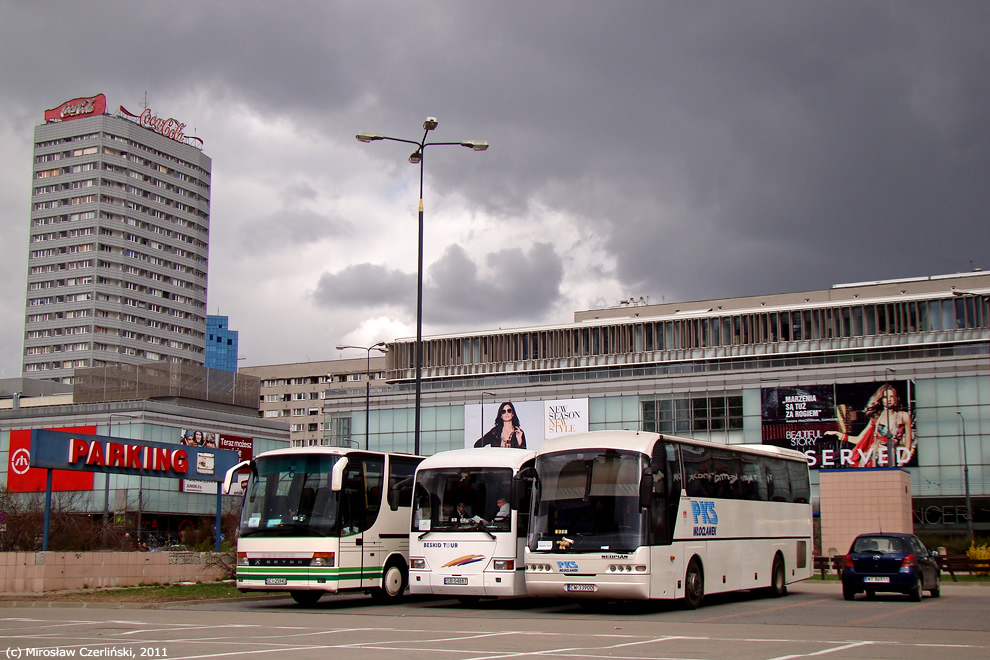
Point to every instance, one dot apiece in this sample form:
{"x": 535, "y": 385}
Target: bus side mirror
{"x": 337, "y": 474}
{"x": 229, "y": 476}
{"x": 646, "y": 488}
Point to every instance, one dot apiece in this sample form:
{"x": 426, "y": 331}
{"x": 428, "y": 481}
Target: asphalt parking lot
{"x": 812, "y": 621}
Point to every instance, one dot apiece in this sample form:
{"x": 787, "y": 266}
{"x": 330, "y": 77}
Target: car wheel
{"x": 778, "y": 578}
{"x": 848, "y": 592}
{"x": 936, "y": 591}
{"x": 915, "y": 593}
{"x": 306, "y": 598}
{"x": 694, "y": 586}
{"x": 393, "y": 583}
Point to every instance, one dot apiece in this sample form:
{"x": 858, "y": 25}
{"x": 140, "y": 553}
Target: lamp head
{"x": 364, "y": 136}
{"x": 476, "y": 145}
{"x": 416, "y": 157}
{"x": 430, "y": 123}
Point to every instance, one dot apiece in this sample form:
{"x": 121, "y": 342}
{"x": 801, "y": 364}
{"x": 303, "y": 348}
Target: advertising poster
{"x": 853, "y": 425}
{"x": 21, "y": 478}
{"x": 523, "y": 424}
{"x": 245, "y": 452}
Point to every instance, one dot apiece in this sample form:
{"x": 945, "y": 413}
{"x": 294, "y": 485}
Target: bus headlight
{"x": 242, "y": 559}
{"x": 322, "y": 559}
{"x": 418, "y": 563}
{"x": 504, "y": 565}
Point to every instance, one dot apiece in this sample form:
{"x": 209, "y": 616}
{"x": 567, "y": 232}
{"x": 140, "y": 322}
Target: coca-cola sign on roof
{"x": 82, "y": 107}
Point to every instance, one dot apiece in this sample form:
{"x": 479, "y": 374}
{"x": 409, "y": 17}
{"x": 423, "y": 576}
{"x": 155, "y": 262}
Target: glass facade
{"x": 221, "y": 344}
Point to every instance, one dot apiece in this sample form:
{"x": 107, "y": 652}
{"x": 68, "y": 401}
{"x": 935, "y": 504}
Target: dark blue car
{"x": 898, "y": 563}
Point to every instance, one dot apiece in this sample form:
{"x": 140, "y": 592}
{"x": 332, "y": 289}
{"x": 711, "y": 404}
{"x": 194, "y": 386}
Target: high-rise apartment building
{"x": 221, "y": 344}
{"x": 119, "y": 241}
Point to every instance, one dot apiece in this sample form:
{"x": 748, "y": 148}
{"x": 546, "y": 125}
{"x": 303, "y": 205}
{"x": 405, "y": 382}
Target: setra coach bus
{"x": 319, "y": 520}
{"x": 469, "y": 523}
{"x": 635, "y": 515}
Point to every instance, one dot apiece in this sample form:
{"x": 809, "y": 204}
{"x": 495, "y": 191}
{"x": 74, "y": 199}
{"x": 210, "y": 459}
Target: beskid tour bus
{"x": 469, "y": 522}
{"x": 319, "y": 520}
{"x": 634, "y": 515}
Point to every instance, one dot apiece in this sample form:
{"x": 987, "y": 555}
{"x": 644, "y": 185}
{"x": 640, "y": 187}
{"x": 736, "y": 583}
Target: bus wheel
{"x": 306, "y": 598}
{"x": 778, "y": 579}
{"x": 694, "y": 586}
{"x": 393, "y": 583}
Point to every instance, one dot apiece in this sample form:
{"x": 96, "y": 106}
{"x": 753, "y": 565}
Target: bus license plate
{"x": 884, "y": 580}
{"x": 279, "y": 582}
{"x": 462, "y": 581}
{"x": 580, "y": 587}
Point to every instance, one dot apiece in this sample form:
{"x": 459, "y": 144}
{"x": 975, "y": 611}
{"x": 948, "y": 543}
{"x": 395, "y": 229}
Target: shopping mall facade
{"x": 808, "y": 370}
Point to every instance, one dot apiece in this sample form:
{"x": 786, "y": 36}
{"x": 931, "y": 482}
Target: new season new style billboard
{"x": 522, "y": 424}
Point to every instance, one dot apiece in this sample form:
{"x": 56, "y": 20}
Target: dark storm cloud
{"x": 518, "y": 286}
{"x": 365, "y": 286}
{"x": 710, "y": 149}
{"x": 289, "y": 229}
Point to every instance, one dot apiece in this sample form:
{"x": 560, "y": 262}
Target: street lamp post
{"x": 969, "y": 506}
{"x": 380, "y": 346}
{"x": 891, "y": 460}
{"x": 416, "y": 158}
{"x": 482, "y": 414}
{"x": 106, "y": 492}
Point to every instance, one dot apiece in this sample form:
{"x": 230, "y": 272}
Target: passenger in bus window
{"x": 503, "y": 510}
{"x": 460, "y": 513}
{"x": 506, "y": 432}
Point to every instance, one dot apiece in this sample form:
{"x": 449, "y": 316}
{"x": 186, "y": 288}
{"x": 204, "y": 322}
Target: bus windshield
{"x": 290, "y": 495}
{"x": 588, "y": 501}
{"x": 458, "y": 499}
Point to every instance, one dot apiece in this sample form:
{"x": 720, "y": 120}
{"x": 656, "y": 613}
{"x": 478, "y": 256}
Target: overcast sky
{"x": 671, "y": 150}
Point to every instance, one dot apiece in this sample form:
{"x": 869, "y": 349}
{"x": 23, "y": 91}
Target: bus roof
{"x": 496, "y": 457}
{"x": 643, "y": 441}
{"x": 324, "y": 451}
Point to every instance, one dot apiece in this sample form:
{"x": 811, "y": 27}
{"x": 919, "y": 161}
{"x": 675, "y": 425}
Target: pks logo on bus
{"x": 705, "y": 518}
{"x": 567, "y": 566}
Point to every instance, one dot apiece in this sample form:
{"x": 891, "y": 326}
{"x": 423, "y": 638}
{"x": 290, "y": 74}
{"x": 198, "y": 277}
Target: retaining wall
{"x": 36, "y": 572}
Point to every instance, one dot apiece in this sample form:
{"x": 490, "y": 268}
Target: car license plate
{"x": 458, "y": 580}
{"x": 278, "y": 582}
{"x": 580, "y": 587}
{"x": 884, "y": 580}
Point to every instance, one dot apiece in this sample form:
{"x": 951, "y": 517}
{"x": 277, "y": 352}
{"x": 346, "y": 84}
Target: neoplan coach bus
{"x": 633, "y": 515}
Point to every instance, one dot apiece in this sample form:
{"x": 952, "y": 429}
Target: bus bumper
{"x": 260, "y": 580}
{"x": 596, "y": 586}
{"x": 487, "y": 584}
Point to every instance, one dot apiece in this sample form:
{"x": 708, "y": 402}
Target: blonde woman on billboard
{"x": 889, "y": 426}
{"x": 506, "y": 432}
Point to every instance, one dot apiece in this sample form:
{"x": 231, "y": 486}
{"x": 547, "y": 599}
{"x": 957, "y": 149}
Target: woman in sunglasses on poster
{"x": 506, "y": 432}
{"x": 889, "y": 429}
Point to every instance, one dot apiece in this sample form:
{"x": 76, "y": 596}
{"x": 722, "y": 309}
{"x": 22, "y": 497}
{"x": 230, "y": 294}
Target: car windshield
{"x": 588, "y": 501}
{"x": 458, "y": 499}
{"x": 879, "y": 544}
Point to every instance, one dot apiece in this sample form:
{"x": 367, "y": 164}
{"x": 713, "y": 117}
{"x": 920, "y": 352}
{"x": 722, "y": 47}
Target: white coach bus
{"x": 470, "y": 515}
{"x": 319, "y": 520}
{"x": 633, "y": 515}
